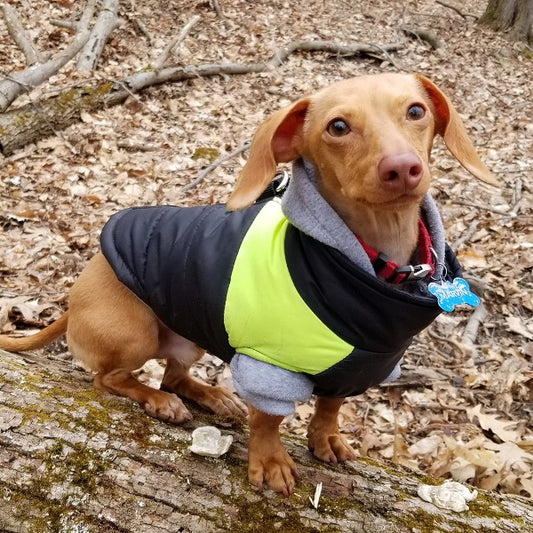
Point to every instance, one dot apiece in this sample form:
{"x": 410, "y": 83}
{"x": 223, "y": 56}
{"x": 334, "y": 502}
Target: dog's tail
{"x": 32, "y": 342}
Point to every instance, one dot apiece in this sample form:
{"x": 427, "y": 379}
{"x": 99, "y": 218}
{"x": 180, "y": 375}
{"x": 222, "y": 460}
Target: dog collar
{"x": 392, "y": 272}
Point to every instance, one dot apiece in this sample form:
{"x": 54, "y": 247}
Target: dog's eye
{"x": 416, "y": 112}
{"x": 337, "y": 128}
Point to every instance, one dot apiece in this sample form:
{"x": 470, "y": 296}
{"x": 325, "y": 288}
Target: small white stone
{"x": 450, "y": 495}
{"x": 209, "y": 442}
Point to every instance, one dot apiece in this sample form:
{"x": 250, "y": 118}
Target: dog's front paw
{"x": 330, "y": 447}
{"x": 167, "y": 407}
{"x": 276, "y": 469}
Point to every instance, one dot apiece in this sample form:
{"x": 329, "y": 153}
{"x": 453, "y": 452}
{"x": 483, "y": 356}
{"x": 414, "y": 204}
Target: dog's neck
{"x": 309, "y": 212}
{"x": 392, "y": 233}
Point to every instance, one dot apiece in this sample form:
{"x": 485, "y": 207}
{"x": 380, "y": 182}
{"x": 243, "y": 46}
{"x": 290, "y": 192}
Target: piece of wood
{"x": 20, "y": 35}
{"x": 76, "y": 459}
{"x": 104, "y": 26}
{"x": 169, "y": 49}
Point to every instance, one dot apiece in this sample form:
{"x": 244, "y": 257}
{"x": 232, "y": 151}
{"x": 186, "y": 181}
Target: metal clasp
{"x": 414, "y": 271}
{"x": 281, "y": 178}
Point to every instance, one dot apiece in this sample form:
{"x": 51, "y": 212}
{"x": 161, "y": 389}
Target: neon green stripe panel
{"x": 265, "y": 316}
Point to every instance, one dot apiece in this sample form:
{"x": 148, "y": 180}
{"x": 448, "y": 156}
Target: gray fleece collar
{"x": 307, "y": 210}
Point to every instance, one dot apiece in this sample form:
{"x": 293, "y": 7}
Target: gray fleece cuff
{"x": 269, "y": 388}
{"x": 396, "y": 372}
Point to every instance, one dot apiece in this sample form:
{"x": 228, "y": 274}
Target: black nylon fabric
{"x": 377, "y": 318}
{"x": 179, "y": 260}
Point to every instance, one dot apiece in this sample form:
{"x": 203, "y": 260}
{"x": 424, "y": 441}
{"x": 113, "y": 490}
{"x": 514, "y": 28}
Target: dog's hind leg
{"x": 162, "y": 405}
{"x": 181, "y": 354}
{"x": 113, "y": 333}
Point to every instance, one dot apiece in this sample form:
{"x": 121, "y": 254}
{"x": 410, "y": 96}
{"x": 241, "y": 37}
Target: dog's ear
{"x": 450, "y": 127}
{"x": 275, "y": 141}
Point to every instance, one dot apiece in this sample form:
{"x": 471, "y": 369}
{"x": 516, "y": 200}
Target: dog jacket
{"x": 250, "y": 282}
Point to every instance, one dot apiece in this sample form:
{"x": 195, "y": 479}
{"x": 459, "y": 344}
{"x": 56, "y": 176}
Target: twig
{"x": 131, "y": 146}
{"x": 517, "y": 197}
{"x": 20, "y": 36}
{"x": 331, "y": 47}
{"x": 389, "y": 58}
{"x": 143, "y": 29}
{"x": 214, "y": 165}
{"x": 162, "y": 59}
{"x": 436, "y": 336}
{"x": 483, "y": 207}
{"x": 471, "y": 329}
{"x": 20, "y": 82}
{"x": 67, "y": 24}
{"x": 467, "y": 235}
{"x": 457, "y": 10}
{"x": 216, "y": 6}
{"x": 105, "y": 24}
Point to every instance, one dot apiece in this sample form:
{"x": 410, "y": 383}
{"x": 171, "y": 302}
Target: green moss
{"x": 206, "y": 153}
{"x": 37, "y": 515}
{"x": 527, "y": 52}
{"x": 262, "y": 514}
{"x": 420, "y": 520}
{"x": 485, "y": 506}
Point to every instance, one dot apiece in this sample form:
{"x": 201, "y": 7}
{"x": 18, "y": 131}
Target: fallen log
{"x": 36, "y": 120}
{"x": 76, "y": 459}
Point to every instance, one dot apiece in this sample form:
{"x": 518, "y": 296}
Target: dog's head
{"x": 369, "y": 137}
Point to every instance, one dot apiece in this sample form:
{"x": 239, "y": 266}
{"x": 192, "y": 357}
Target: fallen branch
{"x": 105, "y": 24}
{"x": 163, "y": 58}
{"x": 467, "y": 235}
{"x": 215, "y": 4}
{"x": 64, "y": 109}
{"x": 20, "y": 82}
{"x": 20, "y": 36}
{"x": 456, "y": 9}
{"x": 342, "y": 50}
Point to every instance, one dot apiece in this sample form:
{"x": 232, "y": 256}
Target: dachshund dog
{"x": 319, "y": 292}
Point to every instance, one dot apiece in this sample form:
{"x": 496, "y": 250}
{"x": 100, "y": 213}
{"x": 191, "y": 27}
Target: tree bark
{"x": 76, "y": 459}
{"x": 514, "y": 16}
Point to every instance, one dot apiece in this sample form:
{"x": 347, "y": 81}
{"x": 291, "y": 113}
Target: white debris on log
{"x": 450, "y": 495}
{"x": 208, "y": 441}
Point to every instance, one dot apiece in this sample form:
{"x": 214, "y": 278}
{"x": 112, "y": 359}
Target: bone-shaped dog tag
{"x": 451, "y": 294}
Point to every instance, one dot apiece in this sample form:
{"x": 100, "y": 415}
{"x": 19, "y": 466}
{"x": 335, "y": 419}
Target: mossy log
{"x": 32, "y": 122}
{"x": 76, "y": 459}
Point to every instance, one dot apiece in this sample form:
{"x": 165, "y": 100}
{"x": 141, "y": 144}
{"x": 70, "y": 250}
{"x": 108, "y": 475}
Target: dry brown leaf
{"x": 501, "y": 428}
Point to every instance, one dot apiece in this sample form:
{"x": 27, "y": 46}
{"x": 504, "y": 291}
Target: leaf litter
{"x": 460, "y": 413}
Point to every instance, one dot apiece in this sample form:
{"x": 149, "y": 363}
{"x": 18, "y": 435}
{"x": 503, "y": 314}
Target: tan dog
{"x": 369, "y": 139}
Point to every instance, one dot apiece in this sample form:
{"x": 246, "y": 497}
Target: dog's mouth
{"x": 401, "y": 201}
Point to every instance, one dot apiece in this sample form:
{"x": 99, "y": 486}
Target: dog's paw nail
{"x": 187, "y": 417}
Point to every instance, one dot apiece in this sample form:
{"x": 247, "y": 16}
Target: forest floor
{"x": 461, "y": 409}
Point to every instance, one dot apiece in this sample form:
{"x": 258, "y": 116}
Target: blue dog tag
{"x": 451, "y": 294}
